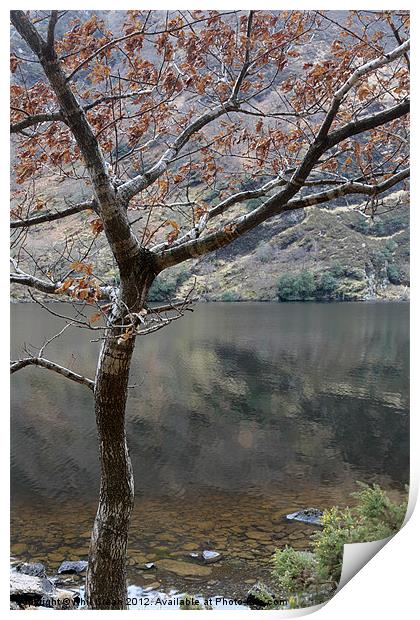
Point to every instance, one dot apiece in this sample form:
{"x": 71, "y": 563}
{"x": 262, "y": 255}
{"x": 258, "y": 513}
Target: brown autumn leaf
{"x": 66, "y": 285}
{"x": 96, "y": 226}
{"x": 200, "y": 210}
{"x": 126, "y": 335}
{"x": 173, "y": 234}
{"x": 82, "y": 267}
{"x": 39, "y": 204}
{"x": 94, "y": 318}
{"x": 363, "y": 92}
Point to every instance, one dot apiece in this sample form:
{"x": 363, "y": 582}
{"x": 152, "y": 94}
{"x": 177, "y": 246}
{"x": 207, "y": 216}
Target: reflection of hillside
{"x": 235, "y": 397}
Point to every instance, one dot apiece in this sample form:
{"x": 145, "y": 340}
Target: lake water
{"x": 242, "y": 413}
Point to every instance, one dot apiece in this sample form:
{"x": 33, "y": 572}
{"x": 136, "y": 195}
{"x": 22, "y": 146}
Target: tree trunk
{"x": 106, "y": 580}
{"x": 106, "y": 586}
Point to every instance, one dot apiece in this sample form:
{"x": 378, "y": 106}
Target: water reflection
{"x": 236, "y": 397}
{"x": 241, "y": 414}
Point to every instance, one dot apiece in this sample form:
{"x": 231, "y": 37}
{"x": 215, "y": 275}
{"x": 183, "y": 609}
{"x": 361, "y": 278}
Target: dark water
{"x": 242, "y": 413}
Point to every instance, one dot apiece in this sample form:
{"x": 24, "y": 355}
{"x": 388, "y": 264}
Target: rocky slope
{"x": 348, "y": 256}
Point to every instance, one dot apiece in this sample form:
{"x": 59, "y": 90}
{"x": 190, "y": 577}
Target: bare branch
{"x": 51, "y": 31}
{"x": 271, "y": 207}
{"x": 36, "y": 119}
{"x": 349, "y": 188}
{"x": 27, "y": 280}
{"x": 245, "y": 67}
{"x": 355, "y": 77}
{"x": 108, "y": 98}
{"x": 173, "y": 305}
{"x": 368, "y": 122}
{"x": 398, "y": 39}
{"x": 51, "y": 217}
{"x": 47, "y": 364}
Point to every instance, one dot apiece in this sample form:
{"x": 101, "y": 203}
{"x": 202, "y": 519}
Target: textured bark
{"x": 106, "y": 586}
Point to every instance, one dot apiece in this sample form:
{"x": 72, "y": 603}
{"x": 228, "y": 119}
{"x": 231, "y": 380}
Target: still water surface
{"x": 241, "y": 414}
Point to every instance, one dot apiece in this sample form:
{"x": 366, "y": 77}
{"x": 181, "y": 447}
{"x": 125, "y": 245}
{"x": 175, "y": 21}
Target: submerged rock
{"x": 184, "y": 569}
{"x": 308, "y": 515}
{"x": 210, "y": 557}
{"x": 72, "y": 567}
{"x": 35, "y": 569}
{"x": 260, "y": 597}
{"x": 148, "y": 566}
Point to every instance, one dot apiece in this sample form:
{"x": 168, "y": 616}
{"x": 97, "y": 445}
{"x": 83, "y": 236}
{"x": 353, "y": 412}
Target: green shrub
{"x": 294, "y": 571}
{"x": 338, "y": 530}
{"x": 164, "y": 290}
{"x": 298, "y": 287}
{"x": 394, "y": 274}
{"x": 377, "y": 512}
{"x": 374, "y": 517}
{"x": 337, "y": 270}
{"x": 306, "y": 285}
{"x": 286, "y": 287}
{"x": 229, "y": 296}
{"x": 327, "y": 286}
{"x": 381, "y": 225}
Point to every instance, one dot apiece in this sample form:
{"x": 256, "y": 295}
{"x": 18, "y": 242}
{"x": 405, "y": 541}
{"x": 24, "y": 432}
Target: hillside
{"x": 364, "y": 258}
{"x": 356, "y": 257}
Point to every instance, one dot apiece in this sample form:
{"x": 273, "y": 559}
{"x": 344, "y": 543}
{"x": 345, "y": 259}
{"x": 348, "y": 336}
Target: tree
{"x": 168, "y": 115}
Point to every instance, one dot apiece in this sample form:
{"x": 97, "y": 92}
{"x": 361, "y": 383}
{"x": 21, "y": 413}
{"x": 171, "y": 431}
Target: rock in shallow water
{"x": 211, "y": 556}
{"x": 35, "y": 569}
{"x": 308, "y": 515}
{"x": 72, "y": 567}
{"x": 148, "y": 566}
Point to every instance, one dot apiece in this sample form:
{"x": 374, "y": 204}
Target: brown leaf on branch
{"x": 96, "y": 226}
{"x": 170, "y": 238}
{"x": 82, "y": 267}
{"x": 94, "y": 318}
{"x": 66, "y": 285}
